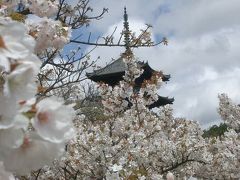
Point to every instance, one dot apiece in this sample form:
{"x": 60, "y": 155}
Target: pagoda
{"x": 114, "y": 72}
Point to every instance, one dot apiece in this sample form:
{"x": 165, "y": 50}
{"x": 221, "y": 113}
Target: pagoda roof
{"x": 162, "y": 101}
{"x": 113, "y": 73}
{"x": 116, "y": 66}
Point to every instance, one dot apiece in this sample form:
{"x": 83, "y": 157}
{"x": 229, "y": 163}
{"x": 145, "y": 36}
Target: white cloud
{"x": 199, "y": 101}
{"x": 136, "y": 9}
{"x": 209, "y": 74}
{"x": 107, "y": 54}
{"x": 187, "y": 18}
{"x": 201, "y": 68}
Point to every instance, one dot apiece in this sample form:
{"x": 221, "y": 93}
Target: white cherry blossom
{"x": 44, "y": 7}
{"x": 49, "y": 34}
{"x": 15, "y": 43}
{"x": 33, "y": 153}
{"x": 53, "y": 120}
{"x": 23, "y": 145}
{"x": 21, "y": 82}
{"x": 229, "y": 112}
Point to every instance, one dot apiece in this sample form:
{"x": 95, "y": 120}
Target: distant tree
{"x": 215, "y": 131}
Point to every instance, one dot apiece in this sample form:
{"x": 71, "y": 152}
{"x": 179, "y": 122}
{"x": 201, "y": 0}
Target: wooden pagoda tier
{"x": 162, "y": 101}
{"x": 113, "y": 73}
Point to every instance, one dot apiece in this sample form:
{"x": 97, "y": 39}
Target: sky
{"x": 203, "y": 55}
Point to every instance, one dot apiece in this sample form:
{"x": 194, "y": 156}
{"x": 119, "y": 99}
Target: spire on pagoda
{"x": 126, "y": 30}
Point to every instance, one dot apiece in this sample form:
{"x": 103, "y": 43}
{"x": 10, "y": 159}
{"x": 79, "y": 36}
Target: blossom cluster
{"x": 41, "y": 8}
{"x": 229, "y": 112}
{"x": 118, "y": 101}
{"x": 48, "y": 33}
{"x": 124, "y": 148}
{"x": 33, "y": 131}
{"x": 225, "y": 157}
{"x": 132, "y": 142}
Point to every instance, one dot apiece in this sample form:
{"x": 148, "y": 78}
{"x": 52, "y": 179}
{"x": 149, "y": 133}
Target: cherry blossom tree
{"x": 38, "y": 136}
{"x": 132, "y": 142}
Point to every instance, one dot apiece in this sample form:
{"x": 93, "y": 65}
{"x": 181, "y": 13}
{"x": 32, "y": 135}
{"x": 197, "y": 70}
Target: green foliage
{"x": 92, "y": 109}
{"x": 94, "y": 113}
{"x": 215, "y": 131}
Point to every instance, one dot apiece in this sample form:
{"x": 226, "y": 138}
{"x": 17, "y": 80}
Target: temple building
{"x": 114, "y": 72}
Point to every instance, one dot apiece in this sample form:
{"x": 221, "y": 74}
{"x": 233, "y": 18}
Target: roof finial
{"x": 126, "y": 30}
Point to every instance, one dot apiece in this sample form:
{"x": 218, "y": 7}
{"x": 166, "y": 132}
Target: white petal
{"x": 53, "y": 121}
{"x": 8, "y": 110}
{"x": 32, "y": 156}
{"x": 21, "y": 82}
{"x": 10, "y": 138}
{"x": 4, "y": 175}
